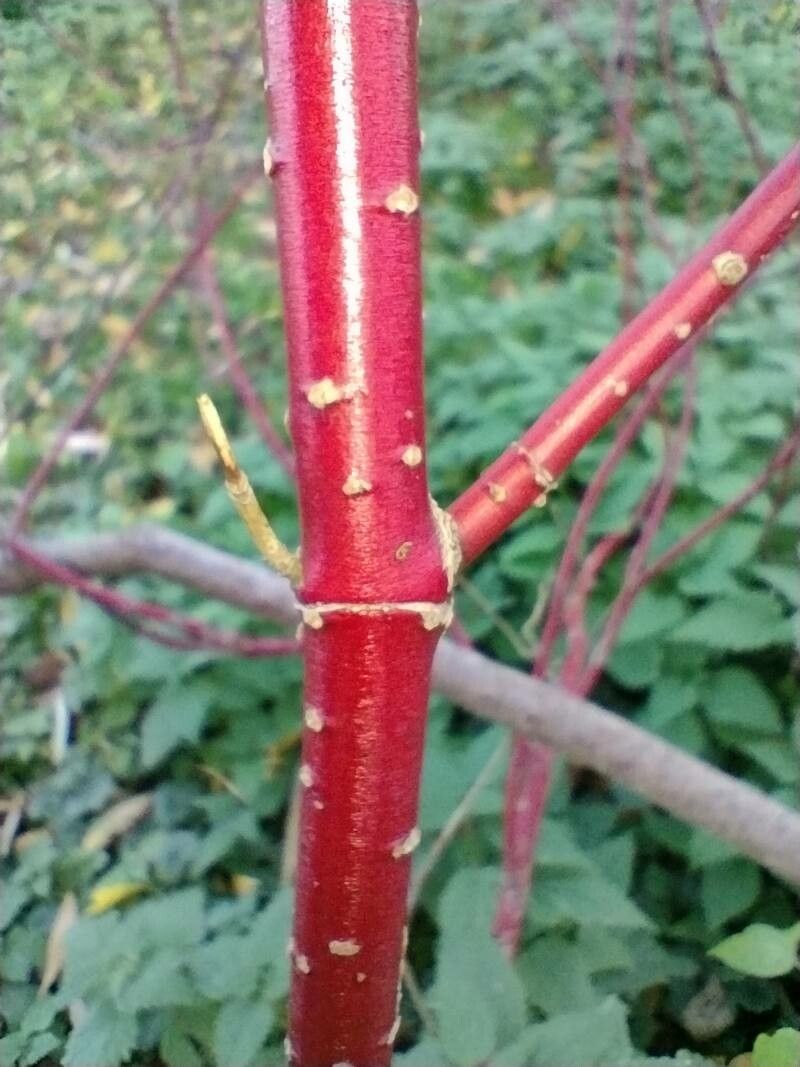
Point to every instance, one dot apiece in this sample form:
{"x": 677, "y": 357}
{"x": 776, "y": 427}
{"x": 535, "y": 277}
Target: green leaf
{"x": 177, "y": 1049}
{"x": 38, "y": 1048}
{"x": 478, "y": 998}
{"x": 105, "y": 1038}
{"x": 727, "y": 889}
{"x": 583, "y": 898}
{"x": 637, "y": 664}
{"x": 176, "y": 715}
{"x": 761, "y": 950}
{"x": 161, "y": 982}
{"x": 557, "y": 976}
{"x": 594, "y": 1038}
{"x": 171, "y": 920}
{"x": 736, "y": 697}
{"x": 652, "y": 614}
{"x": 737, "y": 624}
{"x": 226, "y": 967}
{"x": 240, "y": 1031}
{"x": 781, "y": 1049}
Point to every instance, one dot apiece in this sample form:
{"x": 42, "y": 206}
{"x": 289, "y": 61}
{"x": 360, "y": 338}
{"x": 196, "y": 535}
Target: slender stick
{"x": 101, "y": 380}
{"x": 139, "y": 613}
{"x": 636, "y": 564}
{"x": 376, "y": 583}
{"x": 526, "y": 472}
{"x": 679, "y": 107}
{"x": 727, "y": 90}
{"x": 688, "y": 788}
{"x": 782, "y": 458}
{"x": 623, "y": 105}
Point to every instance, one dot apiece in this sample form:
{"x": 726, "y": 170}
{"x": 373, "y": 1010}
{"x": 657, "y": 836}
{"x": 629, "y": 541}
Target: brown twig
{"x": 687, "y": 787}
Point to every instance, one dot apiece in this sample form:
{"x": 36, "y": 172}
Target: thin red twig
{"x": 246, "y": 391}
{"x": 695, "y": 196}
{"x": 188, "y": 633}
{"x": 102, "y": 379}
{"x": 623, "y": 104}
{"x": 726, "y": 89}
{"x": 636, "y": 564}
{"x": 785, "y": 454}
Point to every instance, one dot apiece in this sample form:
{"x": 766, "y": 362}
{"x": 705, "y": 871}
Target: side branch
{"x": 684, "y": 786}
{"x": 527, "y": 470}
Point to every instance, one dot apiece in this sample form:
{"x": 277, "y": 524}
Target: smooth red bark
{"x": 344, "y": 158}
{"x": 507, "y": 488}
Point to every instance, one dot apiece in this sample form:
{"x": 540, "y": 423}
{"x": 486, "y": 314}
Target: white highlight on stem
{"x": 349, "y": 193}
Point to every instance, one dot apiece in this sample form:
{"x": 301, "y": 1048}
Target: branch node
{"x": 449, "y": 545}
{"x": 729, "y": 267}
{"x": 402, "y": 201}
{"x": 355, "y": 485}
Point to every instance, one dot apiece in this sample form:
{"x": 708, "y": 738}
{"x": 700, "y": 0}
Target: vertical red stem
{"x": 527, "y": 791}
{"x": 344, "y": 155}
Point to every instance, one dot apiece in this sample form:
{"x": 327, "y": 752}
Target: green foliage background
{"x": 102, "y": 169}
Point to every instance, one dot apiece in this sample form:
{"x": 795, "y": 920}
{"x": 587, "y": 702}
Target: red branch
{"x": 568, "y": 563}
{"x": 636, "y": 564}
{"x": 188, "y": 632}
{"x": 782, "y": 458}
{"x": 523, "y": 475}
{"x": 100, "y": 383}
{"x": 344, "y": 149}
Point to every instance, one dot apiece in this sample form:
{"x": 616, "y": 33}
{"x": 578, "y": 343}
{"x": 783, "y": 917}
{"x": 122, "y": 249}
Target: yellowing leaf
{"x": 108, "y": 250}
{"x": 114, "y": 326}
{"x": 105, "y": 897}
{"x": 55, "y": 948}
{"x": 242, "y": 885}
{"x": 163, "y": 507}
{"x": 116, "y": 821}
{"x": 12, "y": 229}
{"x": 150, "y": 99}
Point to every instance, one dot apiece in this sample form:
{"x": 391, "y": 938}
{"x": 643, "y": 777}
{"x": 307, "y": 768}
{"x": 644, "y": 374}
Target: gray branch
{"x": 688, "y": 788}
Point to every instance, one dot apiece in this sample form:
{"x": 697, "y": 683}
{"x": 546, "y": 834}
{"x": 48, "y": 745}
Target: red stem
{"x": 527, "y": 788}
{"x": 681, "y": 111}
{"x": 102, "y": 379}
{"x": 623, "y": 102}
{"x": 517, "y": 478}
{"x": 246, "y": 391}
{"x": 344, "y": 146}
{"x": 625, "y": 437}
{"x": 191, "y": 632}
{"x": 726, "y": 88}
{"x": 782, "y": 458}
{"x": 637, "y": 560}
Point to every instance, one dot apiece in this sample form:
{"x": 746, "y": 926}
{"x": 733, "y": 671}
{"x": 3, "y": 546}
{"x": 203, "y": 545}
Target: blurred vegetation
{"x": 119, "y": 122}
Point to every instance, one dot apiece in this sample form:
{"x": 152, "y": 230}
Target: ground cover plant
{"x": 574, "y": 157}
